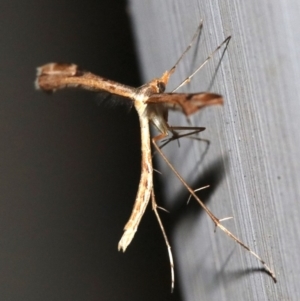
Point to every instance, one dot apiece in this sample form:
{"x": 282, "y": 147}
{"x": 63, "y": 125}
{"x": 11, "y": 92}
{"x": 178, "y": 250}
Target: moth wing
{"x": 187, "y": 103}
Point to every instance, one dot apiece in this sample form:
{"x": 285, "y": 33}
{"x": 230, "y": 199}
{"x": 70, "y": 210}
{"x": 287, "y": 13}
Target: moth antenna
{"x": 226, "y": 41}
{"x": 196, "y": 34}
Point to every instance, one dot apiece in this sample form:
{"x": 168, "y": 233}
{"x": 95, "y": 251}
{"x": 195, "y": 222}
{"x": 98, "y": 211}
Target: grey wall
{"x": 253, "y": 161}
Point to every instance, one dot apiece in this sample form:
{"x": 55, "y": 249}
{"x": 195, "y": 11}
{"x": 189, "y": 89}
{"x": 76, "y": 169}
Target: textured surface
{"x": 69, "y": 168}
{"x": 252, "y": 163}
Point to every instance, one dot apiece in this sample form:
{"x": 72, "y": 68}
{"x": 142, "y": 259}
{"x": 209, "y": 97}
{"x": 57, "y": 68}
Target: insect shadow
{"x": 212, "y": 175}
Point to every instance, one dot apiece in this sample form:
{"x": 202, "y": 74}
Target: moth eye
{"x": 161, "y": 87}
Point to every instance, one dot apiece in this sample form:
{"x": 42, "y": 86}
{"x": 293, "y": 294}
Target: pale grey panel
{"x": 252, "y": 162}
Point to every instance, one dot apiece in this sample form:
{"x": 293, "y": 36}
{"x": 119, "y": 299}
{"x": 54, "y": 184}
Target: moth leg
{"x": 196, "y": 34}
{"x": 154, "y": 208}
{"x": 215, "y": 220}
{"x": 176, "y": 136}
{"x": 221, "y": 219}
{"x": 198, "y": 189}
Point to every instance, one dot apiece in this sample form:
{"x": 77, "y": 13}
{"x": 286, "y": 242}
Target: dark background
{"x": 69, "y": 168}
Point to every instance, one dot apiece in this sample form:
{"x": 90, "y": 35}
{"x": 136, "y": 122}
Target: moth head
{"x": 161, "y": 87}
{"x": 156, "y": 85}
{"x": 161, "y": 83}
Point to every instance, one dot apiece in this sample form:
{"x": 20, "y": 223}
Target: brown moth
{"x": 151, "y": 104}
